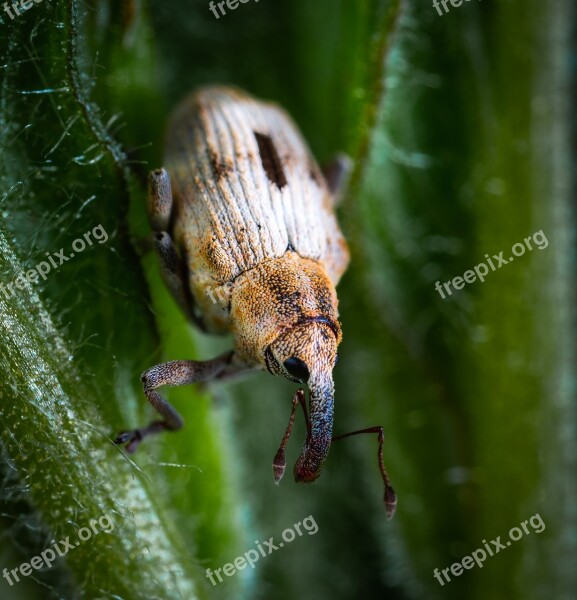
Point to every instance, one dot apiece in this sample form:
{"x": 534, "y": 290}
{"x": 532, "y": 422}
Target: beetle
{"x": 248, "y": 243}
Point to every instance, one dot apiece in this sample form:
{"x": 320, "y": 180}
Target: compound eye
{"x": 297, "y": 368}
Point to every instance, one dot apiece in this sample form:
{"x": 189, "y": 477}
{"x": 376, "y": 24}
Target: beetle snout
{"x": 307, "y": 354}
{"x": 318, "y": 442}
{"x": 308, "y": 466}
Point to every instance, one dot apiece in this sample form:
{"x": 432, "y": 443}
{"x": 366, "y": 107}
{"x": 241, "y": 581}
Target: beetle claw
{"x": 130, "y": 438}
{"x": 279, "y": 465}
{"x": 390, "y": 501}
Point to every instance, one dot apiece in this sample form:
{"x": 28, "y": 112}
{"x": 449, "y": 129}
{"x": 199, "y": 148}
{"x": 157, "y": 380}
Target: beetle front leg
{"x": 390, "y": 496}
{"x": 279, "y": 461}
{"x": 175, "y": 372}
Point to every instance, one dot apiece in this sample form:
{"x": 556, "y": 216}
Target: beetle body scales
{"x": 249, "y": 244}
{"x": 247, "y": 192}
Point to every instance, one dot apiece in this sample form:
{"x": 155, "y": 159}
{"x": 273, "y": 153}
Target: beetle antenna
{"x": 279, "y": 462}
{"x": 390, "y": 496}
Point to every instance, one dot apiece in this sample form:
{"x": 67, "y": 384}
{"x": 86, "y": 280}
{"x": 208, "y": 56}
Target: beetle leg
{"x": 390, "y": 496}
{"x": 173, "y": 272}
{"x": 175, "y": 372}
{"x": 337, "y": 174}
{"x": 233, "y": 371}
{"x": 172, "y": 267}
{"x": 159, "y": 199}
{"x": 279, "y": 461}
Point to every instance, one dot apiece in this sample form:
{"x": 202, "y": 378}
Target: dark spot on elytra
{"x": 270, "y": 160}
{"x": 219, "y": 168}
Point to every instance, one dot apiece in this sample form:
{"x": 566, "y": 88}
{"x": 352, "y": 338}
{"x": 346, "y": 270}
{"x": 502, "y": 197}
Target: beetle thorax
{"x": 276, "y": 296}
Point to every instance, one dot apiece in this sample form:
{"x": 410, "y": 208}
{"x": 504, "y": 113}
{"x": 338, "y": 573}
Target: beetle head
{"x": 284, "y": 318}
{"x": 307, "y": 353}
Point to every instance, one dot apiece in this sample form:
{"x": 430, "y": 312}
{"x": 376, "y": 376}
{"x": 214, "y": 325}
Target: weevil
{"x": 242, "y": 207}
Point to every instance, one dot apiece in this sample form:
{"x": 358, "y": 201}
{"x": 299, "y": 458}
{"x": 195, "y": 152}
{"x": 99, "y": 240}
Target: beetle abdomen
{"x": 246, "y": 188}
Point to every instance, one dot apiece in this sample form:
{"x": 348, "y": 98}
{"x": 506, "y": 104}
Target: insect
{"x": 248, "y": 243}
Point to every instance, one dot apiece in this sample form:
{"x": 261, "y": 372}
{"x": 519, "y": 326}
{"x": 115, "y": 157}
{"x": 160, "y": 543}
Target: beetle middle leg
{"x": 175, "y": 372}
{"x": 337, "y": 174}
{"x": 172, "y": 266}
